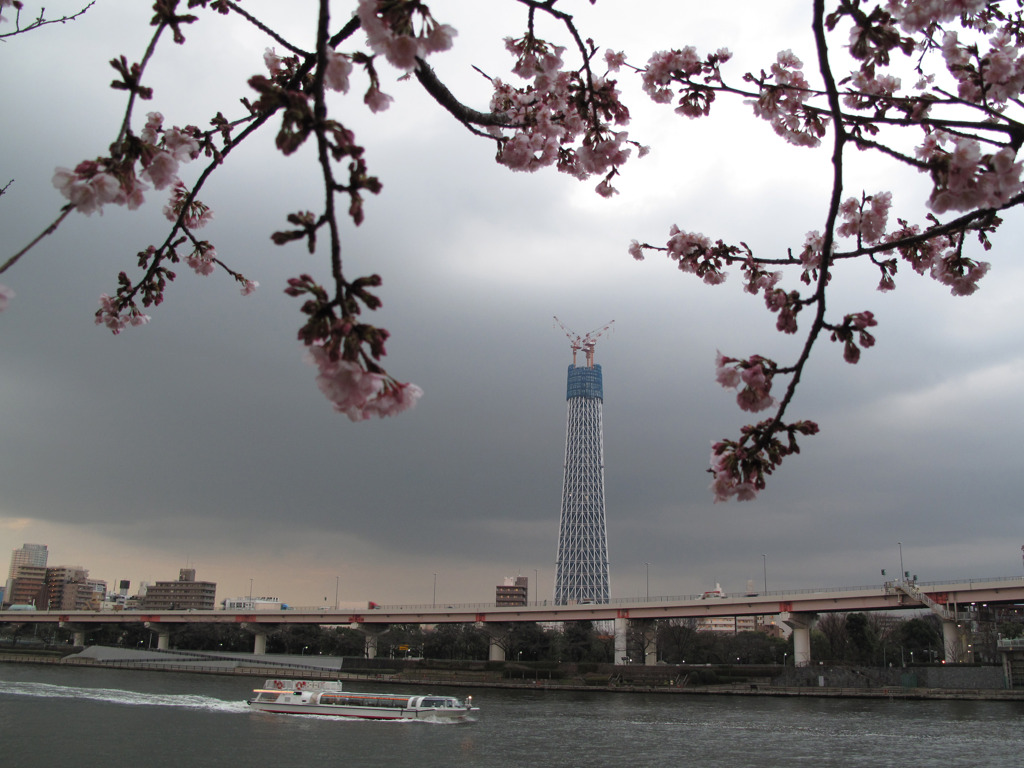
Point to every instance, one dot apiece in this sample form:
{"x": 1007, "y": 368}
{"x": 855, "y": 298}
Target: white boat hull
{"x": 365, "y": 713}
{"x": 306, "y": 697}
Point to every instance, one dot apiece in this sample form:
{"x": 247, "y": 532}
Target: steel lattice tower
{"x": 581, "y": 571}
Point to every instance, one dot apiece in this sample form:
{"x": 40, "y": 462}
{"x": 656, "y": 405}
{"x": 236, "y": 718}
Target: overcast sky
{"x": 201, "y": 439}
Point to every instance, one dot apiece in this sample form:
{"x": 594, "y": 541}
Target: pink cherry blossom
{"x": 877, "y": 85}
{"x": 556, "y": 110}
{"x": 782, "y": 99}
{"x": 752, "y": 375}
{"x": 249, "y": 287}
{"x": 726, "y": 482}
{"x": 402, "y": 48}
{"x": 87, "y": 187}
{"x": 960, "y": 274}
{"x": 116, "y": 320}
{"x": 614, "y": 60}
{"x": 347, "y": 385}
{"x": 6, "y": 294}
{"x": 865, "y": 219}
{"x": 439, "y": 38}
{"x": 151, "y": 131}
{"x": 814, "y": 244}
{"x": 358, "y": 393}
{"x": 665, "y": 66}
{"x": 162, "y": 170}
{"x": 686, "y": 245}
{"x": 338, "y": 69}
{"x": 201, "y": 260}
{"x": 394, "y": 399}
{"x": 181, "y": 144}
{"x": 726, "y": 373}
{"x": 401, "y": 51}
{"x": 918, "y": 15}
{"x": 755, "y": 395}
{"x": 197, "y": 214}
{"x": 377, "y": 100}
{"x": 966, "y": 179}
{"x": 762, "y": 281}
{"x": 274, "y": 63}
{"x": 922, "y": 255}
{"x": 131, "y": 194}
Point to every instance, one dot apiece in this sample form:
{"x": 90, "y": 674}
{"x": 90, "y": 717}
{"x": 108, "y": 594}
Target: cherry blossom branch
{"x": 464, "y": 114}
{"x": 48, "y": 231}
{"x": 839, "y": 143}
{"x": 564, "y": 112}
{"x": 40, "y": 21}
{"x": 739, "y": 468}
{"x": 271, "y": 33}
{"x": 965, "y": 178}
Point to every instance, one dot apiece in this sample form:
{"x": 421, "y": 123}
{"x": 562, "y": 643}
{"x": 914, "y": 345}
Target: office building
{"x": 514, "y": 591}
{"x": 182, "y": 595}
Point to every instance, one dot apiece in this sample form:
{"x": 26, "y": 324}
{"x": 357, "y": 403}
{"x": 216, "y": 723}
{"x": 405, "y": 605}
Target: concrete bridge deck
{"x": 798, "y": 608}
{"x": 882, "y": 597}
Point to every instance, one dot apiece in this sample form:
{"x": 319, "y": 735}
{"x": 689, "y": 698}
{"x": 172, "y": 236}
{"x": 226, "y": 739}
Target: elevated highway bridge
{"x": 950, "y": 600}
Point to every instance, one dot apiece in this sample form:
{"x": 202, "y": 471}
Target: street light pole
{"x": 337, "y": 581}
{"x": 902, "y": 572}
{"x": 434, "y": 603}
{"x": 765, "y": 563}
{"x": 536, "y": 586}
{"x": 648, "y": 566}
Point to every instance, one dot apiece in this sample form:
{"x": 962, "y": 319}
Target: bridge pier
{"x": 495, "y": 651}
{"x": 77, "y": 632}
{"x": 801, "y": 624}
{"x": 371, "y": 636}
{"x": 163, "y": 635}
{"x": 621, "y": 633}
{"x": 645, "y": 634}
{"x": 952, "y": 642}
{"x": 370, "y": 647}
{"x": 497, "y": 640}
{"x": 259, "y": 632}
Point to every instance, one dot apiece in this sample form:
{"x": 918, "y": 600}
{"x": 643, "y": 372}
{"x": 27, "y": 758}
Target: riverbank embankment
{"x": 602, "y": 678}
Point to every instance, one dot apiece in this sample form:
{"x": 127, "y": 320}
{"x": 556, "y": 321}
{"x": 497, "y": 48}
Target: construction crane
{"x": 586, "y": 342}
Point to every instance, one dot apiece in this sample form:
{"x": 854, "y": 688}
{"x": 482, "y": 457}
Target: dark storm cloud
{"x": 203, "y": 433}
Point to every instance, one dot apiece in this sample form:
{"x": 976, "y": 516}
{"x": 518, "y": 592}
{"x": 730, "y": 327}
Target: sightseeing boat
{"x": 315, "y": 697}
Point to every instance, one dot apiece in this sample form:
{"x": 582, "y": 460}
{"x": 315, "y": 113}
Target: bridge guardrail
{"x": 490, "y": 607}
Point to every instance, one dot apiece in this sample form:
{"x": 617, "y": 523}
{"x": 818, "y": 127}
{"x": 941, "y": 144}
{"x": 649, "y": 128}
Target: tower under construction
{"x": 581, "y": 571}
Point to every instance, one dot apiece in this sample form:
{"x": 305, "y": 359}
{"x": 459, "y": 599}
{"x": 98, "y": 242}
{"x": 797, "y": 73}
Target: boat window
{"x": 267, "y": 696}
{"x": 348, "y": 700}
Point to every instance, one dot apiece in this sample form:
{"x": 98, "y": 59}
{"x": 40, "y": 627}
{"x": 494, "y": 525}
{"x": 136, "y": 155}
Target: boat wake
{"x": 118, "y": 696}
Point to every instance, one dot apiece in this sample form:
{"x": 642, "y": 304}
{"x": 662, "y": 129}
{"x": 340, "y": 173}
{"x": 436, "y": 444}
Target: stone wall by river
{"x": 902, "y": 682}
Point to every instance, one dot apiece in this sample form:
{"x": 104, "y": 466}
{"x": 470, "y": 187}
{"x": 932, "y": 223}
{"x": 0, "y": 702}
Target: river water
{"x": 54, "y": 717}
